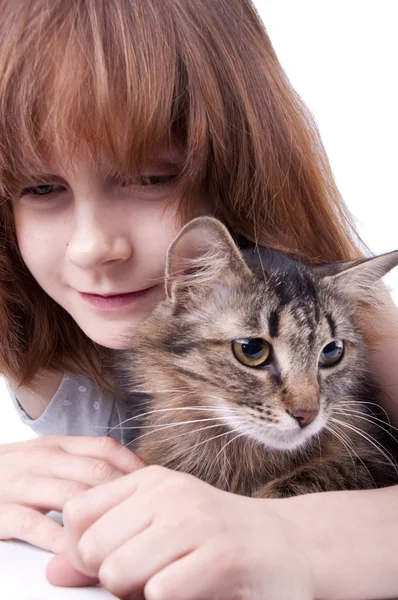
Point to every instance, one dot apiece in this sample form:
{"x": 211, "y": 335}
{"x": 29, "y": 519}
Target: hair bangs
{"x": 89, "y": 84}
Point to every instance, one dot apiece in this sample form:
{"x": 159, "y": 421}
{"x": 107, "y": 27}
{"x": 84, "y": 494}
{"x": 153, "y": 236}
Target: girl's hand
{"x": 43, "y": 474}
{"x": 164, "y": 535}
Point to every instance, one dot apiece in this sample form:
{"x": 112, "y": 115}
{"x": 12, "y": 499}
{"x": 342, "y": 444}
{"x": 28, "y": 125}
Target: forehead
{"x": 281, "y": 307}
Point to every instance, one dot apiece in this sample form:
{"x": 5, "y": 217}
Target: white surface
{"x": 22, "y": 569}
{"x": 342, "y": 58}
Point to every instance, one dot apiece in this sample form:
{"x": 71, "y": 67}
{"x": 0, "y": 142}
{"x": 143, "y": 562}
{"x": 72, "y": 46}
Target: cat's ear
{"x": 357, "y": 278}
{"x": 203, "y": 252}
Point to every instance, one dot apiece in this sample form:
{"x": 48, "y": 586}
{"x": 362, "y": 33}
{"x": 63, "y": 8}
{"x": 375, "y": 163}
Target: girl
{"x": 120, "y": 121}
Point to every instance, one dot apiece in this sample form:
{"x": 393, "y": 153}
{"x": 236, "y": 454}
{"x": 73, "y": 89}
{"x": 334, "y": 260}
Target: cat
{"x": 252, "y": 371}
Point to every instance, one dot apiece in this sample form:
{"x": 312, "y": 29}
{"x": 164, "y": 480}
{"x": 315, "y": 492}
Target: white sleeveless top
{"x": 79, "y": 408}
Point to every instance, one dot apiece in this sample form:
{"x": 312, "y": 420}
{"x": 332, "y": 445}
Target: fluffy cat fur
{"x": 289, "y": 426}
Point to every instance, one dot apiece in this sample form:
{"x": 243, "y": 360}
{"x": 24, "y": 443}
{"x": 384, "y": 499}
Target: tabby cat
{"x": 253, "y": 373}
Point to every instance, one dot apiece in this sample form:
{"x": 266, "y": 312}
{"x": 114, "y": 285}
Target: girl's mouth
{"x": 113, "y": 301}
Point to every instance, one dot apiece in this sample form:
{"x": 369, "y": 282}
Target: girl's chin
{"x": 115, "y": 338}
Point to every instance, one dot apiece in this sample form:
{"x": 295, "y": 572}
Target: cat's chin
{"x": 286, "y": 440}
{"x": 295, "y": 442}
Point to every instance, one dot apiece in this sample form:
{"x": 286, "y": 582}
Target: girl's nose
{"x": 94, "y": 246}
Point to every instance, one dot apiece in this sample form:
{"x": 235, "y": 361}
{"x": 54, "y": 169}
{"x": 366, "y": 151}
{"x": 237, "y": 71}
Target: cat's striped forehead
{"x": 278, "y": 307}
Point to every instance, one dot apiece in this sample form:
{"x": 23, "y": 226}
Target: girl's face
{"x": 96, "y": 245}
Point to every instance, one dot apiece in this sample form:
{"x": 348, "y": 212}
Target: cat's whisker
{"x": 177, "y": 393}
{"x": 319, "y": 444}
{"x": 211, "y": 439}
{"x": 227, "y": 444}
{"x": 181, "y": 392}
{"x": 139, "y": 390}
{"x": 349, "y": 447}
{"x": 370, "y": 418}
{"x": 365, "y": 411}
{"x": 383, "y": 451}
{"x": 359, "y": 404}
{"x": 343, "y": 441}
{"x": 183, "y": 434}
{"x": 170, "y": 409}
{"x": 167, "y": 425}
{"x": 174, "y": 437}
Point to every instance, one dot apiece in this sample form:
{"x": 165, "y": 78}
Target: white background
{"x": 342, "y": 58}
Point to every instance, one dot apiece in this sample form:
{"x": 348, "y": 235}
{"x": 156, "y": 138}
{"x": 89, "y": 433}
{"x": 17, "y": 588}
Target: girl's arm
{"x": 351, "y": 539}
{"x": 209, "y": 543}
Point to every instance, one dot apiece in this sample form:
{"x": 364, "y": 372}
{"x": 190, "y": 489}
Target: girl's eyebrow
{"x": 166, "y": 162}
{"x": 161, "y": 163}
{"x": 45, "y": 177}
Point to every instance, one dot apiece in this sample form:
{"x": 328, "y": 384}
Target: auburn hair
{"x": 123, "y": 77}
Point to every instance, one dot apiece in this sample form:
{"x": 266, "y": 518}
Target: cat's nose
{"x": 303, "y": 417}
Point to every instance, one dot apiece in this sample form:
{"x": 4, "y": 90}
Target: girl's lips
{"x": 112, "y": 302}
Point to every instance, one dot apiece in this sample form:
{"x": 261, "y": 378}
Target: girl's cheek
{"x": 41, "y": 245}
{"x": 34, "y": 228}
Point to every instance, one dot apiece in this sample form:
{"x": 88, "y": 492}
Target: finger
{"x": 24, "y": 523}
{"x": 61, "y": 573}
{"x": 149, "y": 552}
{"x": 44, "y": 493}
{"x": 87, "y": 470}
{"x": 90, "y": 471}
{"x": 83, "y": 511}
{"x": 96, "y": 447}
{"x": 105, "y": 448}
{"x": 193, "y": 577}
{"x": 61, "y": 465}
{"x": 106, "y": 535}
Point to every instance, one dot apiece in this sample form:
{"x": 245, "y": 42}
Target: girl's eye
{"x": 332, "y": 353}
{"x": 252, "y": 352}
{"x": 147, "y": 180}
{"x": 42, "y": 190}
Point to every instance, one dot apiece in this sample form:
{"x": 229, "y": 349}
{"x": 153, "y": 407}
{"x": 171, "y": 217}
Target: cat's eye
{"x": 332, "y": 353}
{"x": 252, "y": 352}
